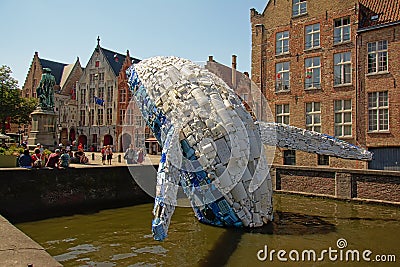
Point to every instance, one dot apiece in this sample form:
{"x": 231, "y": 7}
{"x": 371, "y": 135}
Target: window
{"x": 312, "y": 36}
{"x": 97, "y": 64}
{"x": 109, "y": 116}
{"x": 100, "y": 116}
{"x": 313, "y": 73}
{"x": 244, "y": 97}
{"x": 83, "y": 94}
{"x": 377, "y": 57}
{"x": 101, "y": 76}
{"x": 121, "y": 116}
{"x": 342, "y": 68}
{"x": 289, "y": 157}
{"x": 139, "y": 122}
{"x": 91, "y": 117}
{"x": 282, "y": 76}
{"x": 341, "y": 32}
{"x": 313, "y": 116}
{"x": 82, "y": 118}
{"x": 282, "y": 113}
{"x": 122, "y": 95}
{"x": 323, "y": 160}
{"x": 129, "y": 117}
{"x": 343, "y": 119}
{"x": 282, "y": 42}
{"x": 378, "y": 111}
{"x": 101, "y": 92}
{"x": 110, "y": 92}
{"x": 91, "y": 95}
{"x": 299, "y": 7}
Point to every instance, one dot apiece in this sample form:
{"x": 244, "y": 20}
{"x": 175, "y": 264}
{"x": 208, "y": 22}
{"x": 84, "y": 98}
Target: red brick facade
{"x": 328, "y": 16}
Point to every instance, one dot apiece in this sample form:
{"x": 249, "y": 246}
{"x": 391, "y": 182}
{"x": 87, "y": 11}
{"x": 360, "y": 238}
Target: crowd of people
{"x": 63, "y": 156}
{"x": 60, "y": 159}
{"x": 133, "y": 155}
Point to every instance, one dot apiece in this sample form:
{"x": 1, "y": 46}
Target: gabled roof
{"x": 57, "y": 68}
{"x": 116, "y": 60}
{"x": 378, "y": 12}
{"x": 67, "y": 70}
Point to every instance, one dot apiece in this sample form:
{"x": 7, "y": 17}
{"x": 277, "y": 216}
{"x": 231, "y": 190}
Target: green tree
{"x": 12, "y": 105}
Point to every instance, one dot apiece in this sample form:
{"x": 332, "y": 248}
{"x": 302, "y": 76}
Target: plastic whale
{"x": 212, "y": 147}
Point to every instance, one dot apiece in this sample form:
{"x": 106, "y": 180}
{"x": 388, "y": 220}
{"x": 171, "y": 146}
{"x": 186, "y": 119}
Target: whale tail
{"x": 291, "y": 137}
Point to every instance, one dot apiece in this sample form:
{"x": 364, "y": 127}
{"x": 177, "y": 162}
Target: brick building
{"x": 66, "y": 76}
{"x": 331, "y": 66}
{"x": 105, "y": 115}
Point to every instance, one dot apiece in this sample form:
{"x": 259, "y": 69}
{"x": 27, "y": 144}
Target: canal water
{"x": 122, "y": 237}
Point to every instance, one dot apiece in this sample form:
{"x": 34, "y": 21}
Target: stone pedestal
{"x": 43, "y": 128}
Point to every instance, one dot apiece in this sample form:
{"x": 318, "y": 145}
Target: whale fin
{"x": 166, "y": 192}
{"x": 291, "y": 137}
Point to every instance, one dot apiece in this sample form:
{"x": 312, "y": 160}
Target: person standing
{"x": 130, "y": 155}
{"x": 103, "y": 155}
{"x": 140, "y": 156}
{"x": 109, "y": 154}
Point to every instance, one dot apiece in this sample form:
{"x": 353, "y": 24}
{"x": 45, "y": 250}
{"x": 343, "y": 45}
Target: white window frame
{"x": 282, "y": 82}
{"x": 378, "y": 112}
{"x": 283, "y": 113}
{"x": 339, "y": 33}
{"x": 342, "y": 68}
{"x": 313, "y": 114}
{"x": 282, "y": 43}
{"x": 299, "y": 7}
{"x": 313, "y": 32}
{"x": 311, "y": 64}
{"x": 378, "y": 54}
{"x": 342, "y": 111}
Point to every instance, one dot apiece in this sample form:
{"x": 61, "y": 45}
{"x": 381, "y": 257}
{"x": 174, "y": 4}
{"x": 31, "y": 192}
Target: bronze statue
{"x": 45, "y": 91}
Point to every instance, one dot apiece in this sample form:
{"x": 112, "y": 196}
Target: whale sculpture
{"x": 212, "y": 145}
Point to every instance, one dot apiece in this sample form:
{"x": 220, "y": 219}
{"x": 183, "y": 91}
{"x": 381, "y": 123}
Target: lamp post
{"x": 59, "y": 133}
{"x": 19, "y": 134}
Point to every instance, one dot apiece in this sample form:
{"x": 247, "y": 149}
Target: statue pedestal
{"x": 43, "y": 128}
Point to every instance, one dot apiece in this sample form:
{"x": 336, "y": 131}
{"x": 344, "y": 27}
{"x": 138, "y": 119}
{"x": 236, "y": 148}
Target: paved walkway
{"x": 17, "y": 249}
{"x": 118, "y": 160}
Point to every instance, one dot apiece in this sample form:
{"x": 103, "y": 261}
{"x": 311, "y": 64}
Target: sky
{"x": 64, "y": 30}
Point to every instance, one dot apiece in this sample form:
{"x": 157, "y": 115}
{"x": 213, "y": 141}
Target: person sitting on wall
{"x": 64, "y": 159}
{"x": 25, "y": 160}
{"x": 81, "y": 157}
{"x": 38, "y": 159}
{"x": 53, "y": 159}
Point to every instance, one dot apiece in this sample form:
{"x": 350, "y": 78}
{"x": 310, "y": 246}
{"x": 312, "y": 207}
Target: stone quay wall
{"x": 27, "y": 195}
{"x": 33, "y": 194}
{"x": 365, "y": 185}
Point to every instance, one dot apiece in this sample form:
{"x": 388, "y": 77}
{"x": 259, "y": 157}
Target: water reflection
{"x": 122, "y": 237}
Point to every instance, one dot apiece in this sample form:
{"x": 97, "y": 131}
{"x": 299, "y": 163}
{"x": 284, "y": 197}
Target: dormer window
{"x": 374, "y": 17}
{"x": 299, "y": 7}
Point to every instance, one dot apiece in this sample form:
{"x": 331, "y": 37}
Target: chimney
{"x": 210, "y": 58}
{"x": 234, "y": 72}
{"x": 246, "y": 73}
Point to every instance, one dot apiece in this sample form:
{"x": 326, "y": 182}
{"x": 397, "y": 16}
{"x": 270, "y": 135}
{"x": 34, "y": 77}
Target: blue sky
{"x": 63, "y": 30}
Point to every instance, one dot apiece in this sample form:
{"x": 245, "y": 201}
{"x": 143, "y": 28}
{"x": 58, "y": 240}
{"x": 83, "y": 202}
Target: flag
{"x": 98, "y": 101}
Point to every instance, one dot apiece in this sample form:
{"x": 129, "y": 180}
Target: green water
{"x": 122, "y": 237}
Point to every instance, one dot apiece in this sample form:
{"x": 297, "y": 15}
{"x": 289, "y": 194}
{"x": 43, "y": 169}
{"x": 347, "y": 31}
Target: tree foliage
{"x": 12, "y": 105}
